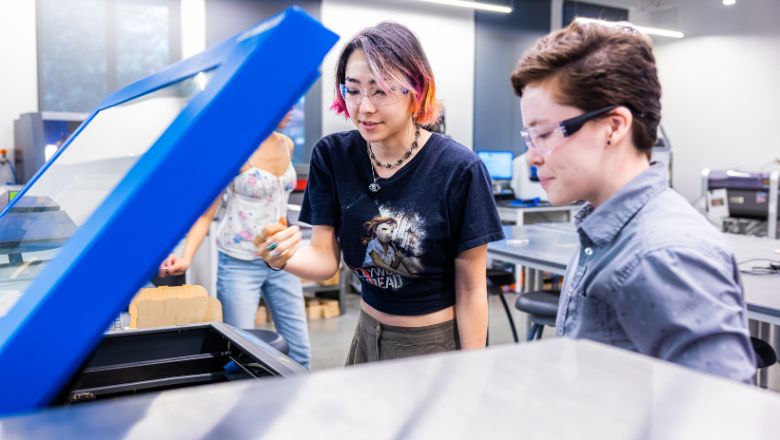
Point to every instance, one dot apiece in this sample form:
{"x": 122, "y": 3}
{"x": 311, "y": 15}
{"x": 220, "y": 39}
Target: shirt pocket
{"x": 570, "y": 309}
{"x": 596, "y": 316}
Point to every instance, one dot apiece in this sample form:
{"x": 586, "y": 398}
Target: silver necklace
{"x": 374, "y": 186}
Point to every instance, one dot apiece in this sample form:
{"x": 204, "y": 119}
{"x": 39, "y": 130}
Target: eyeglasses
{"x": 546, "y": 139}
{"x": 354, "y": 96}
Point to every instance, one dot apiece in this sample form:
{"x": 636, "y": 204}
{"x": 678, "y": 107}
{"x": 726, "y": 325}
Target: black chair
{"x": 170, "y": 280}
{"x": 765, "y": 354}
{"x": 272, "y": 338}
{"x": 496, "y": 279}
{"x": 542, "y": 308}
{"x": 765, "y": 357}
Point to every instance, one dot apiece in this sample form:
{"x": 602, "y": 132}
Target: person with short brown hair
{"x": 651, "y": 274}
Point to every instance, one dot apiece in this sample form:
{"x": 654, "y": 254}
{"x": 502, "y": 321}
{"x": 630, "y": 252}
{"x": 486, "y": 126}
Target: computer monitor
{"x": 498, "y": 163}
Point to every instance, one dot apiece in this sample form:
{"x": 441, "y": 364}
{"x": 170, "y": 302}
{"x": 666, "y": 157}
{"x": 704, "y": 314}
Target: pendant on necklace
{"x": 374, "y": 187}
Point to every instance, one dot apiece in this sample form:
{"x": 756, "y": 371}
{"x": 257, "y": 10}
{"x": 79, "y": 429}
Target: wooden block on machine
{"x": 166, "y": 306}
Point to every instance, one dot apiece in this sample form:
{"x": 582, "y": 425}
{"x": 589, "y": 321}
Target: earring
{"x": 609, "y": 141}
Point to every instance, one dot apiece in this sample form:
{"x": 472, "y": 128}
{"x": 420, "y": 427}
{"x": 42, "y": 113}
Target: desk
{"x": 516, "y": 214}
{"x": 552, "y": 389}
{"x": 548, "y": 247}
{"x": 541, "y": 247}
{"x": 762, "y": 292}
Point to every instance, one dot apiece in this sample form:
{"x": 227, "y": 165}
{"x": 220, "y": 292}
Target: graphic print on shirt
{"x": 393, "y": 241}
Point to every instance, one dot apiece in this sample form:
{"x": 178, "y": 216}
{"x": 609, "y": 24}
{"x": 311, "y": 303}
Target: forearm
{"x": 195, "y": 237}
{"x": 198, "y": 231}
{"x": 471, "y": 314}
{"x": 471, "y": 306}
{"x": 313, "y": 263}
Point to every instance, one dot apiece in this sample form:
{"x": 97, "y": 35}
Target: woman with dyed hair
{"x": 429, "y": 195}
{"x": 651, "y": 275}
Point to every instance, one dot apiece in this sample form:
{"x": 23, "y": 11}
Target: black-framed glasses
{"x": 546, "y": 139}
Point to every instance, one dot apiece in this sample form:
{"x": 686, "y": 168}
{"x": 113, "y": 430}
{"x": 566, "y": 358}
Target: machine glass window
{"x": 79, "y": 179}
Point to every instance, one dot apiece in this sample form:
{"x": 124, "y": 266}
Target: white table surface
{"x": 549, "y": 246}
{"x": 553, "y": 389}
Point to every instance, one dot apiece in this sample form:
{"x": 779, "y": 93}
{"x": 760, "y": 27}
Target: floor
{"x": 330, "y": 338}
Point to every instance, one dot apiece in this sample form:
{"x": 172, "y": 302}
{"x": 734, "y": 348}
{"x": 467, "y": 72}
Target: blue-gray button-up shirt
{"x": 653, "y": 276}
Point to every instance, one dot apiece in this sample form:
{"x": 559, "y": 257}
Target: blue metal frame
{"x": 62, "y": 315}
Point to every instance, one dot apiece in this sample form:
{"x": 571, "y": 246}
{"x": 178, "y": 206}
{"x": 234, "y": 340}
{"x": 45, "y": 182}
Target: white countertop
{"x": 553, "y": 389}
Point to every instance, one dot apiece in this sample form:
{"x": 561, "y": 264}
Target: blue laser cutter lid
{"x": 92, "y": 226}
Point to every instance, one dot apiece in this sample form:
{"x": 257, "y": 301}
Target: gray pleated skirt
{"x": 374, "y": 341}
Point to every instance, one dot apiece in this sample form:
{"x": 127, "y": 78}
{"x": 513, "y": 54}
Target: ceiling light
{"x": 643, "y": 29}
{"x": 473, "y": 5}
{"x": 729, "y": 2}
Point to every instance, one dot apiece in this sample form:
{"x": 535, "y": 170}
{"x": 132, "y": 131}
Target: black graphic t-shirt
{"x": 402, "y": 241}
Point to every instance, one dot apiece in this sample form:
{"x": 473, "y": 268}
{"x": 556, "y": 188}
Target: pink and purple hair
{"x": 393, "y": 53}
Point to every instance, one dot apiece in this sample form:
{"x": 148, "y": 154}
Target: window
{"x": 90, "y": 48}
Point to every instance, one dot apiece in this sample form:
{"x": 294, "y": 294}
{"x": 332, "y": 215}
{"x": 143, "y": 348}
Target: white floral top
{"x": 254, "y": 199}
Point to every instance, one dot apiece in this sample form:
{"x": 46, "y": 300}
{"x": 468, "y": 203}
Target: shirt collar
{"x": 601, "y": 225}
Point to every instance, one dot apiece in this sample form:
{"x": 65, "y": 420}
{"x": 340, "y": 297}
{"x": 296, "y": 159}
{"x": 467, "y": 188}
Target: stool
{"x": 498, "y": 278}
{"x": 271, "y": 338}
{"x": 765, "y": 357}
{"x": 542, "y": 308}
{"x": 765, "y": 354}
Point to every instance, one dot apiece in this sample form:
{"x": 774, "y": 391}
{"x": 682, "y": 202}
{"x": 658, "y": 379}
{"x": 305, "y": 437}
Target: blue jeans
{"x": 240, "y": 284}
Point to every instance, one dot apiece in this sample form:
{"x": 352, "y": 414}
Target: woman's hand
{"x": 174, "y": 265}
{"x": 276, "y": 248}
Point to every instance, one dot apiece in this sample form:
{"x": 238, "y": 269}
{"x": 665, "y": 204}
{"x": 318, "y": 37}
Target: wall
{"x": 193, "y": 27}
{"x": 556, "y": 15}
{"x": 447, "y": 35}
{"x": 721, "y": 86}
{"x": 500, "y": 41}
{"x": 19, "y": 87}
{"x": 720, "y": 82}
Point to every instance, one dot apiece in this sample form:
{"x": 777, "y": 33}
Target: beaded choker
{"x": 374, "y": 186}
